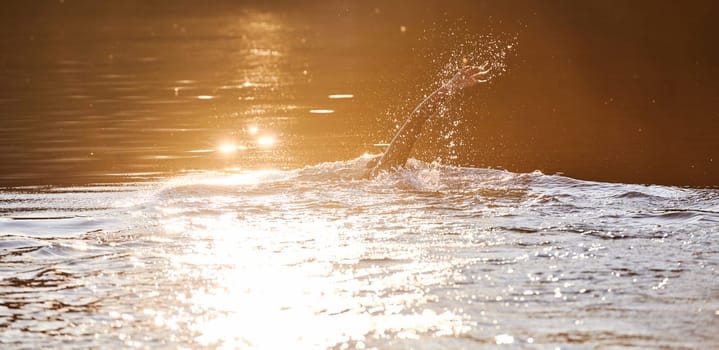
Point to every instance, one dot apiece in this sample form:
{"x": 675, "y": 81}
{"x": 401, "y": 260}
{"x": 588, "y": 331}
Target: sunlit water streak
{"x": 429, "y": 257}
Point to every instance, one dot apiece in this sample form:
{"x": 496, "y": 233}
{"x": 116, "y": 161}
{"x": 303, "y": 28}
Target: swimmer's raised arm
{"x": 399, "y": 149}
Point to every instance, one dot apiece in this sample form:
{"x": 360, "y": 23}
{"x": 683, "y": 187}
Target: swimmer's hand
{"x": 466, "y": 77}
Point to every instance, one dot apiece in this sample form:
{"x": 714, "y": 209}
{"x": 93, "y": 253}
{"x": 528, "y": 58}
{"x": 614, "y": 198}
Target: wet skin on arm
{"x": 400, "y": 148}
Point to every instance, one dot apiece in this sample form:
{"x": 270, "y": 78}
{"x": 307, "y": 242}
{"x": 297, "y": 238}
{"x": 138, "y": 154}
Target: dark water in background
{"x": 98, "y": 92}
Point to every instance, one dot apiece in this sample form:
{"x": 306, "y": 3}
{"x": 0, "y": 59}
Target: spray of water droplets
{"x": 463, "y": 48}
{"x": 445, "y": 48}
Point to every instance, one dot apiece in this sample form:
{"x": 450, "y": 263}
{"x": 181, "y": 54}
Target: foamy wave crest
{"x": 349, "y": 174}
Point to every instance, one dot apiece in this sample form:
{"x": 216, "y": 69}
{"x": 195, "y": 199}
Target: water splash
{"x": 467, "y": 49}
{"x": 320, "y": 257}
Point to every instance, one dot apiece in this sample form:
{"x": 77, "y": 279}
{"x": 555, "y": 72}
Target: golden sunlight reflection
{"x": 321, "y": 111}
{"x": 230, "y": 148}
{"x": 341, "y": 96}
{"x": 266, "y": 141}
{"x": 226, "y": 179}
{"x": 269, "y": 42}
{"x": 205, "y": 97}
{"x": 291, "y": 279}
{"x": 267, "y": 272}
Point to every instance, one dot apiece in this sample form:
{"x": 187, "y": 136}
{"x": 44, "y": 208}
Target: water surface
{"x": 185, "y": 175}
{"x": 432, "y": 256}
{"x": 124, "y": 90}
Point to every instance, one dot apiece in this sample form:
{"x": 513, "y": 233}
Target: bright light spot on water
{"x": 205, "y": 97}
{"x": 402, "y": 29}
{"x": 275, "y": 286}
{"x": 265, "y": 52}
{"x": 661, "y": 284}
{"x": 136, "y": 174}
{"x": 230, "y": 148}
{"x": 253, "y": 130}
{"x": 247, "y": 84}
{"x": 322, "y": 111}
{"x": 227, "y": 148}
{"x": 201, "y": 151}
{"x": 530, "y": 340}
{"x": 266, "y": 141}
{"x": 341, "y": 96}
{"x": 503, "y": 339}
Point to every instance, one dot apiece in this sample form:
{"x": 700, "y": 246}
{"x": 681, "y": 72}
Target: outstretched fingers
{"x": 481, "y": 75}
{"x": 470, "y": 75}
{"x": 480, "y": 80}
{"x": 485, "y": 71}
{"x": 484, "y": 68}
{"x": 474, "y": 71}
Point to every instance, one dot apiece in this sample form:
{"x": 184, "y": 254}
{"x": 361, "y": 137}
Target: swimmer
{"x": 399, "y": 149}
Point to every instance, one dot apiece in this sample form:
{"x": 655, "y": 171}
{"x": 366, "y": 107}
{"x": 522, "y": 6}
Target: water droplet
{"x": 502, "y": 339}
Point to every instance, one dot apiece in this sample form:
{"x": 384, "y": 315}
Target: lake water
{"x": 191, "y": 177}
{"x": 116, "y": 97}
{"x": 430, "y": 257}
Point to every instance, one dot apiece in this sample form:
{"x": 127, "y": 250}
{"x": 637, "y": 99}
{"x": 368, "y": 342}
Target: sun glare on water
{"x": 267, "y": 270}
{"x": 273, "y": 286}
{"x": 230, "y": 148}
{"x": 322, "y": 111}
{"x": 341, "y": 96}
{"x": 266, "y": 141}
